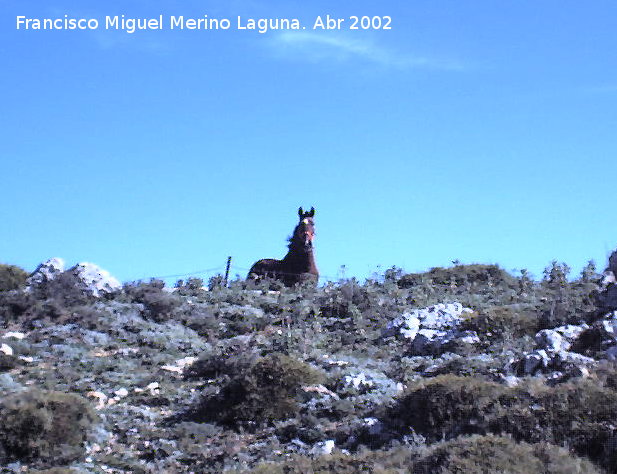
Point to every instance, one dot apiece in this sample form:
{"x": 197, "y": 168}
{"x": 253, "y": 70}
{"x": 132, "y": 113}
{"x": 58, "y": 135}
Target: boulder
{"x": 358, "y": 381}
{"x": 88, "y": 277}
{"x": 93, "y": 279}
{"x": 441, "y": 316}
{"x": 533, "y": 362}
{"x": 611, "y": 353}
{"x": 606, "y": 298}
{"x": 560, "y": 338}
{"x": 431, "y": 329}
{"x": 46, "y": 271}
{"x": 551, "y": 340}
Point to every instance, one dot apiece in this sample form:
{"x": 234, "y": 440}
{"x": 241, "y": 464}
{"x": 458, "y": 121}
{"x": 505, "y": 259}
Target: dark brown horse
{"x": 299, "y": 263}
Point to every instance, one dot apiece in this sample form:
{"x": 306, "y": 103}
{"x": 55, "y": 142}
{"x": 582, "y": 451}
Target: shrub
{"x": 190, "y": 287}
{"x": 44, "y": 426}
{"x": 267, "y": 390}
{"x": 448, "y": 406}
{"x": 461, "y": 276}
{"x": 490, "y": 453}
{"x": 7, "y": 362}
{"x": 580, "y": 413}
{"x": 566, "y": 302}
{"x": 392, "y": 461}
{"x": 49, "y": 301}
{"x": 502, "y": 322}
{"x": 12, "y": 277}
{"x": 229, "y": 362}
{"x": 159, "y": 304}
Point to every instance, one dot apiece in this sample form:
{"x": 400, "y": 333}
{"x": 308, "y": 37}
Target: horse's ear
{"x": 300, "y": 213}
{"x": 311, "y": 212}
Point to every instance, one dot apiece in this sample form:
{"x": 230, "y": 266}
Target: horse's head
{"x": 305, "y": 230}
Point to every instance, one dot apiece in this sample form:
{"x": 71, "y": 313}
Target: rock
{"x": 560, "y": 365}
{"x": 100, "y": 397}
{"x": 427, "y": 340}
{"x": 359, "y": 381}
{"x": 320, "y": 389}
{"x": 121, "y": 393}
{"x": 411, "y": 326}
{"x": 536, "y": 360}
{"x": 46, "y": 271}
{"x": 8, "y": 385}
{"x": 323, "y": 447}
{"x": 580, "y": 372}
{"x": 571, "y": 358}
{"x": 441, "y": 316}
{"x": 560, "y": 338}
{"x": 606, "y": 299}
{"x": 6, "y": 349}
{"x": 430, "y": 329}
{"x": 93, "y": 279}
{"x": 571, "y": 332}
{"x": 611, "y": 353}
{"x": 87, "y": 277}
{"x": 468, "y": 337}
{"x": 612, "y": 262}
{"x": 551, "y": 340}
{"x": 434, "y": 342}
{"x": 609, "y": 326}
{"x": 374, "y": 426}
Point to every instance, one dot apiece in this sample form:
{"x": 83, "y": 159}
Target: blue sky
{"x": 480, "y": 131}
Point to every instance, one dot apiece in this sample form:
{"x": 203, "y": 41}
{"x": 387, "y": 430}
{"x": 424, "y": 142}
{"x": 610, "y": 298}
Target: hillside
{"x": 461, "y": 369}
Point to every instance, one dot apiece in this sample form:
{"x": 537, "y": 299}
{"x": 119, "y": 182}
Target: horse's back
{"x": 264, "y": 267}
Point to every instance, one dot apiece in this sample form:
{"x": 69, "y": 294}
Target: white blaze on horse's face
{"x": 307, "y": 230}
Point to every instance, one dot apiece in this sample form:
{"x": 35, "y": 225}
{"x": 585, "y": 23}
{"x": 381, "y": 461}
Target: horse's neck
{"x": 300, "y": 259}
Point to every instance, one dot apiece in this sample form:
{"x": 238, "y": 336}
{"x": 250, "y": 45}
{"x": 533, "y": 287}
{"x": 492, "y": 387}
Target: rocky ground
{"x": 464, "y": 369}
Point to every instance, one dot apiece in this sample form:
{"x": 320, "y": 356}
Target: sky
{"x": 472, "y": 131}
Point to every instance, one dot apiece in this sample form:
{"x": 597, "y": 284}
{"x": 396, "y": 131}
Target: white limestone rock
{"x": 358, "y": 381}
{"x": 551, "y": 340}
{"x": 534, "y": 361}
{"x": 323, "y": 447}
{"x": 93, "y": 279}
{"x": 46, "y": 271}
{"x": 430, "y": 329}
{"x": 87, "y": 277}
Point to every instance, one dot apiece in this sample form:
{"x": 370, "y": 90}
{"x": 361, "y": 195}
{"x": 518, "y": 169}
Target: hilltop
{"x": 464, "y": 369}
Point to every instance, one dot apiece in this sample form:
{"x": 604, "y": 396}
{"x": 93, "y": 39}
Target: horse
{"x": 299, "y": 264}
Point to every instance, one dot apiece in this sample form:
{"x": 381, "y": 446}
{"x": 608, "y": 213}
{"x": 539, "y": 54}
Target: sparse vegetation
{"x": 257, "y": 377}
{"x": 266, "y": 389}
{"x": 44, "y": 426}
{"x": 12, "y": 277}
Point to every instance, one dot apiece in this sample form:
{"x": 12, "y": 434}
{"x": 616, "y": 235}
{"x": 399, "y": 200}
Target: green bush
{"x": 564, "y": 301}
{"x": 461, "y": 276}
{"x": 231, "y": 362}
{"x": 394, "y": 461}
{"x": 502, "y": 322}
{"x": 44, "y": 426}
{"x": 469, "y": 454}
{"x": 448, "y": 406}
{"x": 485, "y": 454}
{"x": 580, "y": 414}
{"x": 12, "y": 277}
{"x": 160, "y": 305}
{"x": 51, "y": 301}
{"x": 266, "y": 390}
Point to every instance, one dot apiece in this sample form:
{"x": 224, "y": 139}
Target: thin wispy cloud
{"x": 146, "y": 41}
{"x": 608, "y": 88}
{"x": 319, "y": 46}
